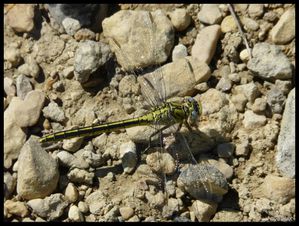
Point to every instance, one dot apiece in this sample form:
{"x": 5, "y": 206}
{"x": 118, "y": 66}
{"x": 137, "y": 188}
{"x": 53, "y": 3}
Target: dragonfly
{"x": 163, "y": 114}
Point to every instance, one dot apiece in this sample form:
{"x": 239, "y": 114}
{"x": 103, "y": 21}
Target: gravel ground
{"x": 75, "y": 65}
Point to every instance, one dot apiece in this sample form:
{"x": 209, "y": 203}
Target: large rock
{"x": 139, "y": 38}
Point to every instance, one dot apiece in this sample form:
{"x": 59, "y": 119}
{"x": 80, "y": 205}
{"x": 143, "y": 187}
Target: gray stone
{"x": 203, "y": 181}
{"x": 209, "y": 14}
{"x": 23, "y": 86}
{"x": 285, "y": 157}
{"x": 71, "y": 25}
{"x": 127, "y": 152}
{"x": 89, "y": 56}
{"x": 253, "y": 121}
{"x": 269, "y": 62}
{"x": 50, "y": 208}
{"x": 275, "y": 99}
{"x": 80, "y": 176}
{"x": 54, "y": 112}
{"x": 39, "y": 173}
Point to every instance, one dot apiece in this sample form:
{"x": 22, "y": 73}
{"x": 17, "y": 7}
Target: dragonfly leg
{"x": 154, "y": 134}
{"x": 188, "y": 126}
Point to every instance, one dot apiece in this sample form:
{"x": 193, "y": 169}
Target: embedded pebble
{"x": 243, "y": 148}
{"x": 209, "y": 14}
{"x": 71, "y": 193}
{"x": 73, "y": 144}
{"x": 284, "y": 29}
{"x": 278, "y": 189}
{"x": 126, "y": 212}
{"x": 179, "y": 51}
{"x": 71, "y": 161}
{"x": 205, "y": 43}
{"x": 71, "y": 25}
{"x": 128, "y": 86}
{"x": 9, "y": 184}
{"x": 80, "y": 176}
{"x": 216, "y": 97}
{"x": 39, "y": 175}
{"x": 30, "y": 68}
{"x": 161, "y": 162}
{"x": 249, "y": 24}
{"x": 250, "y": 90}
{"x": 93, "y": 159}
{"x": 203, "y": 210}
{"x": 285, "y": 157}
{"x": 54, "y": 112}
{"x": 244, "y": 55}
{"x": 83, "y": 207}
{"x": 51, "y": 207}
{"x": 23, "y": 86}
{"x": 75, "y": 215}
{"x": 269, "y": 62}
{"x": 84, "y": 34}
{"x": 127, "y": 152}
{"x": 224, "y": 84}
{"x": 228, "y": 24}
{"x": 259, "y": 105}
{"x": 16, "y": 208}
{"x": 284, "y": 86}
{"x": 255, "y": 10}
{"x": 180, "y": 19}
{"x": 224, "y": 168}
{"x": 68, "y": 72}
{"x": 253, "y": 121}
{"x": 171, "y": 208}
{"x": 275, "y": 99}
{"x": 9, "y": 87}
{"x": 13, "y": 55}
{"x": 21, "y": 17}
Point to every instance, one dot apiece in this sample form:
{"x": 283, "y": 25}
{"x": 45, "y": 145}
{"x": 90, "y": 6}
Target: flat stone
{"x": 205, "y": 43}
{"x": 209, "y": 14}
{"x": 284, "y": 30}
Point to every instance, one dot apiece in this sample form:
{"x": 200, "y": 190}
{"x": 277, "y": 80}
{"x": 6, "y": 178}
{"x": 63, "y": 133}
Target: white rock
{"x": 179, "y": 51}
{"x": 75, "y": 215}
{"x": 180, "y": 19}
{"x": 209, "y": 14}
{"x": 253, "y": 121}
{"x": 128, "y": 156}
{"x": 71, "y": 25}
{"x": 71, "y": 193}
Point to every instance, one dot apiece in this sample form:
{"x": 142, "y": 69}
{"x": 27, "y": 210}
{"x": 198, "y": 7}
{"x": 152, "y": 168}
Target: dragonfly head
{"x": 195, "y": 110}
